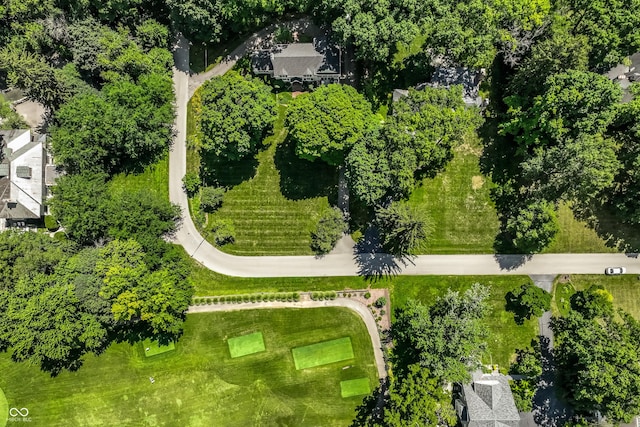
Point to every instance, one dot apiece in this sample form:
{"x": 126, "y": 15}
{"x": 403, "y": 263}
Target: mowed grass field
{"x": 199, "y": 384}
{"x": 463, "y": 217}
{"x": 625, "y": 290}
{"x": 4, "y": 409}
{"x": 156, "y": 348}
{"x": 357, "y": 387}
{"x": 246, "y": 344}
{"x": 273, "y": 200}
{"x": 323, "y": 353}
{"x": 505, "y": 335}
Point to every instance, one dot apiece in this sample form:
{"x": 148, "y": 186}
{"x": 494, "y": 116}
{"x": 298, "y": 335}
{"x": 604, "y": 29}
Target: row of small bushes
{"x": 237, "y": 299}
{"x": 317, "y": 296}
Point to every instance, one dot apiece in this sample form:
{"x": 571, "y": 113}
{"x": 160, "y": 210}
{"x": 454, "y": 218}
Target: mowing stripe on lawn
{"x": 355, "y": 387}
{"x": 152, "y": 348}
{"x": 323, "y": 353}
{"x": 246, "y": 344}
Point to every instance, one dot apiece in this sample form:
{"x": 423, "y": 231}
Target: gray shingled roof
{"x": 469, "y": 80}
{"x": 490, "y": 403}
{"x": 298, "y": 59}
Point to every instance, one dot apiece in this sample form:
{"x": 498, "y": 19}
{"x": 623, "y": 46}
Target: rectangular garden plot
{"x": 323, "y": 353}
{"x": 152, "y": 348}
{"x": 355, "y": 387}
{"x": 246, "y": 344}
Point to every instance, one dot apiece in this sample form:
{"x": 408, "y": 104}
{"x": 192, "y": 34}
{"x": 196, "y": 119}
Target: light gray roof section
{"x": 297, "y": 59}
{"x": 490, "y": 403}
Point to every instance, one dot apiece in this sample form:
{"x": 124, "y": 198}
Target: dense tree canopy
{"x": 124, "y": 127}
{"x": 401, "y": 228}
{"x": 57, "y": 306}
{"x": 598, "y": 364}
{"x": 448, "y": 338}
{"x": 236, "y": 114}
{"x": 528, "y": 301}
{"x": 327, "y": 122}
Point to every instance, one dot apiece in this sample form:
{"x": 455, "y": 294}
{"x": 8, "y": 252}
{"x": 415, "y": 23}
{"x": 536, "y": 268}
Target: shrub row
{"x": 316, "y": 296}
{"x": 237, "y": 299}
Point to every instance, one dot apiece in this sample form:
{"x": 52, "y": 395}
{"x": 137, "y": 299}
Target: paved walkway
{"x": 360, "y": 309}
{"x": 342, "y": 264}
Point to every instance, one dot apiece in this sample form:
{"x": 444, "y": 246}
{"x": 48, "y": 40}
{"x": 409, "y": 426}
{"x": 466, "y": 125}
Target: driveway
{"x": 342, "y": 264}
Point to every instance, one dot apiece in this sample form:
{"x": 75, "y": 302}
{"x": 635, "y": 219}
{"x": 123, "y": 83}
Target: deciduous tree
{"x": 236, "y": 113}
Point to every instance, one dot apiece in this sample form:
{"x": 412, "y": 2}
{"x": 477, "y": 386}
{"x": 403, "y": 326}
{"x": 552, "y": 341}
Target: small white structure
{"x": 26, "y": 172}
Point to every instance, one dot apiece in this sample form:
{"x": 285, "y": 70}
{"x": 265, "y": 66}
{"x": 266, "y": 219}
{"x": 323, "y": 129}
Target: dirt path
{"x": 359, "y": 308}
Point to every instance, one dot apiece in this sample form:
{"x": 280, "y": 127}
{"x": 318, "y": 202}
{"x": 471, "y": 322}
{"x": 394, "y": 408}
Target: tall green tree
{"x": 528, "y": 301}
{"x": 237, "y": 112}
{"x": 327, "y": 122}
{"x": 401, "y": 228}
{"x": 448, "y": 338}
{"x": 598, "y": 364}
{"x": 532, "y": 228}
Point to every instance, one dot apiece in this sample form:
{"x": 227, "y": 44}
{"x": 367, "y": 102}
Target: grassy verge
{"x": 505, "y": 335}
{"x": 199, "y": 384}
{"x": 625, "y": 290}
{"x": 212, "y": 54}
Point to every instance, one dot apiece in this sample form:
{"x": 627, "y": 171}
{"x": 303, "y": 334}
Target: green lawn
{"x": 273, "y": 200}
{"x": 156, "y": 348}
{"x": 4, "y": 409}
{"x": 246, "y": 344}
{"x": 625, "y": 290}
{"x": 505, "y": 335}
{"x": 576, "y": 236}
{"x": 457, "y": 202}
{"x": 357, "y": 387}
{"x": 199, "y": 384}
{"x": 155, "y": 179}
{"x": 322, "y": 353}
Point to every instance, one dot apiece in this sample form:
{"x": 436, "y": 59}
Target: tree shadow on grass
{"x": 218, "y": 172}
{"x": 610, "y": 228}
{"x": 301, "y": 179}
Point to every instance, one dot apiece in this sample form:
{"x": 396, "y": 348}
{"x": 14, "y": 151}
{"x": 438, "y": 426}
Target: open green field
{"x": 156, "y": 348}
{"x": 4, "y": 409}
{"x": 625, "y": 290}
{"x": 505, "y": 335}
{"x": 246, "y": 344}
{"x": 323, "y": 353}
{"x": 357, "y": 387}
{"x": 576, "y": 236}
{"x": 199, "y": 384}
{"x": 273, "y": 200}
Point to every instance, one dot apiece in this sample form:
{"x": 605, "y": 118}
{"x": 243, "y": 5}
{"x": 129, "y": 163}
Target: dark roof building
{"x": 466, "y": 77}
{"x": 487, "y": 402}
{"x": 300, "y": 62}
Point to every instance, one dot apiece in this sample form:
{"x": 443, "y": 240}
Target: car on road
{"x": 613, "y": 271}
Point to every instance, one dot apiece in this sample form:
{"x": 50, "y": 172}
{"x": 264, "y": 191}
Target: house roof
{"x": 625, "y": 75}
{"x": 21, "y": 174}
{"x": 489, "y": 402}
{"x": 299, "y": 59}
{"x": 466, "y": 77}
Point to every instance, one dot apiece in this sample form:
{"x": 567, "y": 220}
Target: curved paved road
{"x": 343, "y": 264}
{"x": 360, "y": 309}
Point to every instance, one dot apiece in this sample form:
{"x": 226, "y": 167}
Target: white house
{"x": 26, "y": 172}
